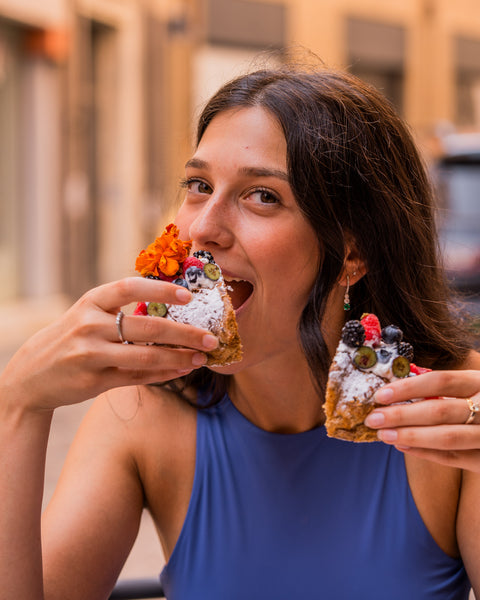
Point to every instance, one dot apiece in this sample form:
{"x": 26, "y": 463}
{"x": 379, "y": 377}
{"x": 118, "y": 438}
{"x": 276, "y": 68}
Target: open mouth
{"x": 239, "y": 291}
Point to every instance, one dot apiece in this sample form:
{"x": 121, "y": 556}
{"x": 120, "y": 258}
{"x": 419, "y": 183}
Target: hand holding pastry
{"x": 82, "y": 354}
{"x": 443, "y": 426}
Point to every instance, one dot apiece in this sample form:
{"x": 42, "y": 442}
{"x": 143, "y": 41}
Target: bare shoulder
{"x": 161, "y": 429}
{"x": 155, "y": 422}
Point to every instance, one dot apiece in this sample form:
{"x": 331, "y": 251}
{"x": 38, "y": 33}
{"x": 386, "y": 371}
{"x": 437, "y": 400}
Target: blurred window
{"x": 467, "y": 61}
{"x": 376, "y": 53}
{"x": 458, "y": 181}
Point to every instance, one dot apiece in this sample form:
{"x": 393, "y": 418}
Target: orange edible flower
{"x": 164, "y": 256}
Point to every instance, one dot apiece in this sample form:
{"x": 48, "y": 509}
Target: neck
{"x": 278, "y": 394}
{"x": 280, "y": 400}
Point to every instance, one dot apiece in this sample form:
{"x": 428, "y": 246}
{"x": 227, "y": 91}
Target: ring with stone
{"x": 474, "y": 409}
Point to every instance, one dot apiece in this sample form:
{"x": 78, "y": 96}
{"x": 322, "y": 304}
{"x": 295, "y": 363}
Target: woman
{"x": 301, "y": 182}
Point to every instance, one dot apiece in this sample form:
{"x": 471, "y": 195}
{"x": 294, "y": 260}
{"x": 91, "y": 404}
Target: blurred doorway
{"x": 92, "y": 171}
{"x": 10, "y": 209}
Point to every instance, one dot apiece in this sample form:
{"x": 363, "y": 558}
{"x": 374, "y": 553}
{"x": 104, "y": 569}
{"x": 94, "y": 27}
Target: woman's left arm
{"x": 436, "y": 427}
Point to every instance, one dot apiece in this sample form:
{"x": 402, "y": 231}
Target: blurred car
{"x": 457, "y": 175}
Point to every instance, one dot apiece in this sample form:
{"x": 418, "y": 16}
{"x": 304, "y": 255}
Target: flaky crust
{"x": 345, "y": 416}
{"x": 230, "y": 346}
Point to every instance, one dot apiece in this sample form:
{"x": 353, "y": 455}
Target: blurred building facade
{"x": 98, "y": 99}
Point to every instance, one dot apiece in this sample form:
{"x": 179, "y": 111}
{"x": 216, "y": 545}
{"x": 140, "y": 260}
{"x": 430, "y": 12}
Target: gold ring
{"x": 118, "y": 321}
{"x": 474, "y": 409}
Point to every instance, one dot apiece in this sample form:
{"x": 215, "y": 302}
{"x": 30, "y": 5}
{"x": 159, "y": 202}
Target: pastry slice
{"x": 167, "y": 258}
{"x": 367, "y": 357}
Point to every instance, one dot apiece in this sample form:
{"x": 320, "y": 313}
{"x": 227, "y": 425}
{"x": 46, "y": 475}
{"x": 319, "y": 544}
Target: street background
{"x": 98, "y": 100}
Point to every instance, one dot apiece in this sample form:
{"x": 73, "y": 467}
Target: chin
{"x": 228, "y": 369}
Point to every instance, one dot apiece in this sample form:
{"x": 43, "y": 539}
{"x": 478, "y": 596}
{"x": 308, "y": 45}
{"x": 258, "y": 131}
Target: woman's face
{"x": 240, "y": 207}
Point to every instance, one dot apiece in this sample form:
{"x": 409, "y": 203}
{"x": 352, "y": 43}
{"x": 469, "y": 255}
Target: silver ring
{"x": 474, "y": 409}
{"x": 118, "y": 321}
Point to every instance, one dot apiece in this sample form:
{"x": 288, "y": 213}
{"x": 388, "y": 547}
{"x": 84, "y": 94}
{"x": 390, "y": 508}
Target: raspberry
{"x": 141, "y": 309}
{"x": 405, "y": 349}
{"x": 353, "y": 333}
{"x": 418, "y": 370}
{"x": 192, "y": 261}
{"x": 164, "y": 277}
{"x": 371, "y": 324}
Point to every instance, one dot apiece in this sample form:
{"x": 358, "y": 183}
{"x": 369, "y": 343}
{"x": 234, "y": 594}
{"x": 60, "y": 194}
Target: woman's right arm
{"x": 74, "y": 359}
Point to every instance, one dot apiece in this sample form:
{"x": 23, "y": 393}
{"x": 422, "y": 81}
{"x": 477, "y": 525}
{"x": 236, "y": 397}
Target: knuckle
{"x": 451, "y": 439}
{"x": 395, "y": 414}
{"x": 150, "y": 328}
{"x": 123, "y": 286}
{"x": 82, "y": 351}
{"x": 85, "y": 326}
{"x": 440, "y": 411}
{"x": 138, "y": 375}
{"x": 148, "y": 357}
{"x": 445, "y": 378}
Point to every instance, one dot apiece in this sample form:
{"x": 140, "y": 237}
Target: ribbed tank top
{"x": 302, "y": 517}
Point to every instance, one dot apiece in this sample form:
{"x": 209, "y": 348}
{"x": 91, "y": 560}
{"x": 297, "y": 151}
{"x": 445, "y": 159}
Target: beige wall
{"x": 430, "y": 25}
{"x": 35, "y": 12}
{"x": 188, "y": 69}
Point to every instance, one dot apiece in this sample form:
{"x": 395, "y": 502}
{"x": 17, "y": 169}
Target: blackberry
{"x": 405, "y": 349}
{"x": 204, "y": 254}
{"x": 353, "y": 333}
{"x": 152, "y": 277}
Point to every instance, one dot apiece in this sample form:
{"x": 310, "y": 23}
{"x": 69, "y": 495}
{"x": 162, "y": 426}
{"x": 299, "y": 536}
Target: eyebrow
{"x": 197, "y": 163}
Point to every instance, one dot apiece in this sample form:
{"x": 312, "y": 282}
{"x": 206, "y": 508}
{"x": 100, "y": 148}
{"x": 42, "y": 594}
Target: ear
{"x": 354, "y": 265}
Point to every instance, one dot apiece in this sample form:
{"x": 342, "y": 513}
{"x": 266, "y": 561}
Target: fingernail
{"x": 183, "y": 294}
{"x": 388, "y": 435}
{"x": 209, "y": 341}
{"x": 199, "y": 359}
{"x": 383, "y": 395}
{"x": 375, "y": 419}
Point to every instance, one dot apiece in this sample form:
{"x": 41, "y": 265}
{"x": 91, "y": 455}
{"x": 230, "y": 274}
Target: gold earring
{"x": 346, "y": 298}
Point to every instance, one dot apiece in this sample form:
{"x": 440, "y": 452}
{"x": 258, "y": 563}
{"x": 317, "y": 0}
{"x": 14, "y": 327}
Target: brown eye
{"x": 203, "y": 188}
{"x": 264, "y": 196}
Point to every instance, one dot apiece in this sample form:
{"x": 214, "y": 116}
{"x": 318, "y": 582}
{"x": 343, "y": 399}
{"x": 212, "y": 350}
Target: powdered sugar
{"x": 205, "y": 310}
{"x": 359, "y": 384}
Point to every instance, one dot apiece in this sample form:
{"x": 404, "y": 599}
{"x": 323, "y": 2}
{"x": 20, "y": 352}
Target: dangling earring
{"x": 346, "y": 298}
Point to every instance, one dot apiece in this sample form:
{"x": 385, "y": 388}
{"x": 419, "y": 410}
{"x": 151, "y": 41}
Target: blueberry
{"x": 391, "y": 334}
{"x": 181, "y": 281}
{"x": 384, "y": 355}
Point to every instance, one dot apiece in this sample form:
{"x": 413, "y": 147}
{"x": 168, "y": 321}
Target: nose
{"x": 212, "y": 224}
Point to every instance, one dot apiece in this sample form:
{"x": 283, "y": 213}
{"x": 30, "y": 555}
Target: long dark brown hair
{"x": 354, "y": 170}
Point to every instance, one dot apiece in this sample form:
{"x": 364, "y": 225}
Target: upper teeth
{"x": 232, "y": 279}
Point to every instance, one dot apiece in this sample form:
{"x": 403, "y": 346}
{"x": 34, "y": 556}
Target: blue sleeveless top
{"x": 302, "y": 517}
